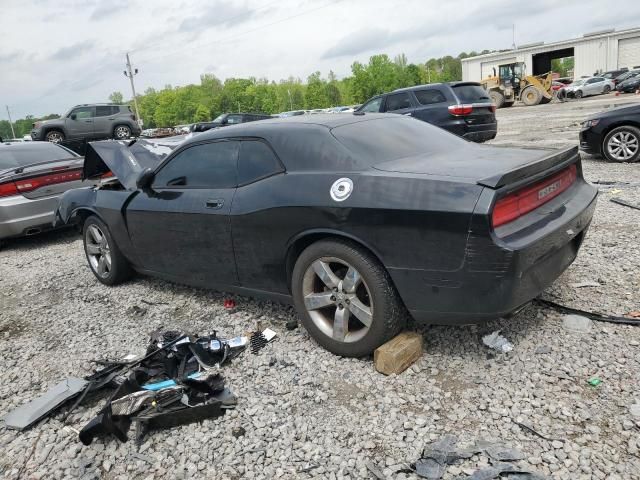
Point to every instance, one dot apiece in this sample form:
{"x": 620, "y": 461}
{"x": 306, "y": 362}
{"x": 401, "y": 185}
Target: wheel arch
{"x": 46, "y": 130}
{"x": 620, "y": 123}
{"x": 299, "y": 242}
{"x": 79, "y": 215}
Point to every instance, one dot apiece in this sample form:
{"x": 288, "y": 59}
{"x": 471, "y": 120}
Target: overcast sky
{"x": 58, "y": 53}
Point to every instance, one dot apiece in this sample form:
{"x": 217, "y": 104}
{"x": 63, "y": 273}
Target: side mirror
{"x": 73, "y": 116}
{"x": 145, "y": 179}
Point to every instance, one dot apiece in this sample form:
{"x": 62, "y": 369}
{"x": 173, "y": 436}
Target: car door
{"x": 398, "y": 103}
{"x": 79, "y": 123}
{"x": 103, "y": 122}
{"x": 180, "y": 227}
{"x": 594, "y": 86}
{"x": 433, "y": 106}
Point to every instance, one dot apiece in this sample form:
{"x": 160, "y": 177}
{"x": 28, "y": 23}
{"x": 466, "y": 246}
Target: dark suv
{"x": 89, "y": 122}
{"x": 463, "y": 108}
{"x": 228, "y": 119}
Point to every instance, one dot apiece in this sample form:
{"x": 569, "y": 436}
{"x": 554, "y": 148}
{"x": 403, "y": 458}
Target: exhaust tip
{"x": 32, "y": 231}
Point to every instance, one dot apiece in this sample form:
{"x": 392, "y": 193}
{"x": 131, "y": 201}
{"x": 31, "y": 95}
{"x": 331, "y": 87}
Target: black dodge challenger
{"x": 355, "y": 219}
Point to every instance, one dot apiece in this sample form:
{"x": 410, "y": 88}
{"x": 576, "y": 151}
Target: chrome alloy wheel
{"x": 122, "y": 132}
{"x": 622, "y": 146}
{"x": 337, "y": 299}
{"x": 54, "y": 137}
{"x": 98, "y": 251}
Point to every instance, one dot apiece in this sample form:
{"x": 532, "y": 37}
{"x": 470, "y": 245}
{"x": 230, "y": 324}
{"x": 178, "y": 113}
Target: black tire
{"x": 54, "y": 136}
{"x": 531, "y": 96}
{"x": 608, "y": 148}
{"x": 121, "y": 132}
{"x": 388, "y": 314}
{"x": 606, "y": 89}
{"x": 497, "y": 98}
{"x": 578, "y": 94}
{"x": 119, "y": 270}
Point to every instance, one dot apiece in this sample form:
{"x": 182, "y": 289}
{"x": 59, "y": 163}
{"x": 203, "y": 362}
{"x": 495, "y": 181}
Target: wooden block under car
{"x": 398, "y": 354}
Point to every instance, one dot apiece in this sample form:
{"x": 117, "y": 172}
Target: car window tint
{"x": 386, "y": 139}
{"x": 104, "y": 111}
{"x": 372, "y": 106}
{"x": 256, "y": 161}
{"x": 397, "y": 101}
{"x": 471, "y": 93}
{"x": 427, "y": 97}
{"x": 13, "y": 156}
{"x": 234, "y": 119}
{"x": 82, "y": 112}
{"x": 210, "y": 165}
{"x": 115, "y": 110}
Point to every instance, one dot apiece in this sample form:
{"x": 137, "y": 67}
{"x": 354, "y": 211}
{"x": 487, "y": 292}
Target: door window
{"x": 429, "y": 97}
{"x": 231, "y": 119}
{"x": 256, "y": 161}
{"x": 372, "y": 106}
{"x": 210, "y": 165}
{"x": 82, "y": 112}
{"x": 397, "y": 101}
{"x": 105, "y": 110}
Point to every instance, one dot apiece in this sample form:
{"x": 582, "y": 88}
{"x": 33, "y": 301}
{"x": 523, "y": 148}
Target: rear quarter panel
{"x": 407, "y": 221}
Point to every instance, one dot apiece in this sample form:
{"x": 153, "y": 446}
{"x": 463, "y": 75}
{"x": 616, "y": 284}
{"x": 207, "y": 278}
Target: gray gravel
{"x": 304, "y": 413}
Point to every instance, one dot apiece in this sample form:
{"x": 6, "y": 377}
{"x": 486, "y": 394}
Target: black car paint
{"x": 480, "y": 126}
{"x": 430, "y": 230}
{"x": 592, "y": 137}
{"x": 629, "y": 85}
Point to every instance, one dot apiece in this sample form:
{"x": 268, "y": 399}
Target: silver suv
{"x": 89, "y": 122}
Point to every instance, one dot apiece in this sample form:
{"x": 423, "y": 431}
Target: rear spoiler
{"x": 557, "y": 159}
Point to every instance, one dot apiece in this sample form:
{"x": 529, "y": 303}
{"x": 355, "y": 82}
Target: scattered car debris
{"x": 497, "y": 342}
{"x": 594, "y": 381}
{"x": 259, "y": 339}
{"x": 26, "y": 415}
{"x": 576, "y": 323}
{"x": 229, "y": 303}
{"x": 375, "y": 471}
{"x": 530, "y": 429}
{"x": 443, "y": 452}
{"x": 600, "y": 317}
{"x": 620, "y": 201}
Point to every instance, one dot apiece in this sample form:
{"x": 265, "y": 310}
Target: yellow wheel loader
{"x": 512, "y": 83}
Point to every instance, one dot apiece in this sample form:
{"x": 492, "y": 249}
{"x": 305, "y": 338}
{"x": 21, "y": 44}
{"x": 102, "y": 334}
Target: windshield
{"x": 13, "y": 156}
{"x": 577, "y": 83}
{"x": 470, "y": 93}
{"x": 219, "y": 118}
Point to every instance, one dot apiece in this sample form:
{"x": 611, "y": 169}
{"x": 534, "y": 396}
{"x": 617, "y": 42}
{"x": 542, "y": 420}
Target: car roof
{"x": 431, "y": 85}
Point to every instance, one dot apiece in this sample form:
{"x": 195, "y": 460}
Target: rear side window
{"x": 471, "y": 93}
{"x": 106, "y": 110}
{"x": 428, "y": 97}
{"x": 397, "y": 101}
{"x": 210, "y": 165}
{"x": 256, "y": 161}
{"x": 25, "y": 154}
{"x": 231, "y": 119}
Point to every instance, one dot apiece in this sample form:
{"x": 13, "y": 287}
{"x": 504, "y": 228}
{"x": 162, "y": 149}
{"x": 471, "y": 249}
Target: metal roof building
{"x": 598, "y": 51}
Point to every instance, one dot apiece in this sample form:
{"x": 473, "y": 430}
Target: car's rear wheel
{"x": 345, "y": 298}
{"x": 121, "y": 132}
{"x": 105, "y": 259}
{"x": 622, "y": 144}
{"x": 606, "y": 89}
{"x": 54, "y": 136}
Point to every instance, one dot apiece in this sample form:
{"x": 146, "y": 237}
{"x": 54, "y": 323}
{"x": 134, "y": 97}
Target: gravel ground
{"x": 309, "y": 414}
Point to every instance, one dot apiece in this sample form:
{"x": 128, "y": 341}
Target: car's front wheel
{"x": 622, "y": 144}
{"x": 121, "y": 132}
{"x": 345, "y": 298}
{"x": 54, "y": 136}
{"x": 578, "y": 94}
{"x": 106, "y": 260}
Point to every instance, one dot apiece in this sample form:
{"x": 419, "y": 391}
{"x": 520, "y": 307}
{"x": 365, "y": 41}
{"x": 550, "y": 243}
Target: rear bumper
{"x": 500, "y": 274}
{"x": 21, "y": 216}
{"x": 474, "y": 132}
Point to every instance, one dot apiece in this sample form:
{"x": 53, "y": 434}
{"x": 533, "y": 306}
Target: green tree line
{"x": 173, "y": 105}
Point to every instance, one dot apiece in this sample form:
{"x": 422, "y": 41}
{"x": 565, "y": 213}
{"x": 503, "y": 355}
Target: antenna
{"x": 513, "y": 34}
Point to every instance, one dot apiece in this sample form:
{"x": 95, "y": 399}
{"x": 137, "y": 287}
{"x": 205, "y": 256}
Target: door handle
{"x": 215, "y": 203}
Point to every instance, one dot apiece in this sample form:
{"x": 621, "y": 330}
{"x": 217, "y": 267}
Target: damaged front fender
{"x": 73, "y": 201}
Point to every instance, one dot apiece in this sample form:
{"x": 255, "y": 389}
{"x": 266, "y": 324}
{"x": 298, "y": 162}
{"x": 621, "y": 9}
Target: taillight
{"x": 529, "y": 198}
{"x": 8, "y": 189}
{"x": 25, "y": 185}
{"x": 492, "y": 107}
{"x": 460, "y": 110}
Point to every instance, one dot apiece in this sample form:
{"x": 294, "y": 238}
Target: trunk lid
{"x": 486, "y": 165}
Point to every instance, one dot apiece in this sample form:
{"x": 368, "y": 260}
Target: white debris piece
{"x": 497, "y": 342}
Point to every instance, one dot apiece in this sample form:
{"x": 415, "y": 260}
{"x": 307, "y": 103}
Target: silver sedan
{"x": 32, "y": 177}
{"x": 590, "y": 86}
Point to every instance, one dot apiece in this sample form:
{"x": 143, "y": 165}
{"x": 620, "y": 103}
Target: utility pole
{"x": 129, "y": 72}
{"x": 10, "y": 122}
{"x": 513, "y": 34}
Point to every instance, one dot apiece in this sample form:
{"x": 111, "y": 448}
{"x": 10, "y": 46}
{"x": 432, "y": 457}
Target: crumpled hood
{"x": 126, "y": 159}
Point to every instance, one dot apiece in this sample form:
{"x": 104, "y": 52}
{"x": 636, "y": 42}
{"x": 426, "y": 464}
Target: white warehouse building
{"x": 593, "y": 52}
